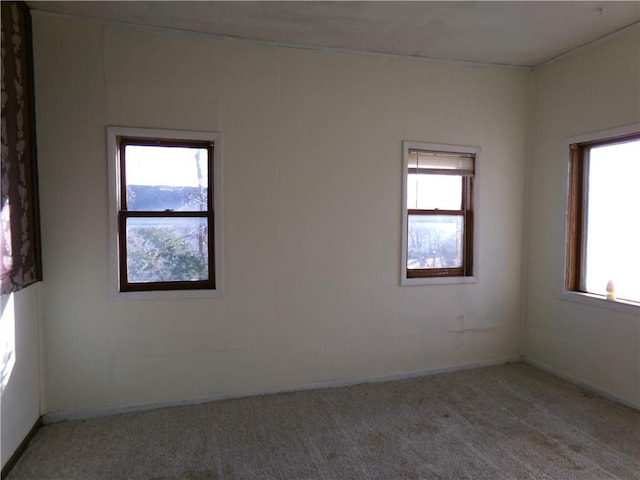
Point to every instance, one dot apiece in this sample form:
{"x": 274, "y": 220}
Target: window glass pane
{"x": 428, "y": 192}
{"x": 613, "y": 222}
{"x": 167, "y": 249}
{"x": 166, "y": 178}
{"x": 435, "y": 241}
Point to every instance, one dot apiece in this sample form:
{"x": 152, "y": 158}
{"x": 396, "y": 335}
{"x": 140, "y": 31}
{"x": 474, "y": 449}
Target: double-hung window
{"x": 603, "y": 226}
{"x": 438, "y": 211}
{"x": 165, "y": 225}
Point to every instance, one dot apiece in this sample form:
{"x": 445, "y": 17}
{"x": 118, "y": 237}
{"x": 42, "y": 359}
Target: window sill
{"x": 405, "y": 282}
{"x": 599, "y": 301}
{"x": 166, "y": 295}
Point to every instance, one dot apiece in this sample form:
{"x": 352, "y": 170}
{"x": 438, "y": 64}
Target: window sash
{"x": 437, "y": 271}
{"x": 124, "y": 142}
{"x": 126, "y": 285}
{"x": 418, "y": 211}
{"x": 124, "y": 214}
{"x": 467, "y": 242}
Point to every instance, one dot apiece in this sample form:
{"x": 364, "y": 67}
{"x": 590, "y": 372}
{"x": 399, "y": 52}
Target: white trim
{"x": 600, "y": 301}
{"x": 113, "y": 166}
{"x": 580, "y": 383}
{"x": 404, "y": 280}
{"x": 603, "y": 134}
{"x": 74, "y": 415}
{"x": 570, "y": 295}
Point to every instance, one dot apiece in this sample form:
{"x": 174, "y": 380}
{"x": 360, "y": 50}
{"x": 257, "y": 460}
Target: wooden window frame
{"x": 194, "y": 140}
{"x": 466, "y": 271}
{"x": 577, "y": 207}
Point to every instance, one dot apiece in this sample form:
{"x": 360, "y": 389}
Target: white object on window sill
{"x": 611, "y": 291}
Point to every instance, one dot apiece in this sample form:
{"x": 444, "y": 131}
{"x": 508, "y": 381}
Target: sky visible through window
{"x": 613, "y": 221}
{"x": 426, "y": 191}
{"x": 168, "y": 166}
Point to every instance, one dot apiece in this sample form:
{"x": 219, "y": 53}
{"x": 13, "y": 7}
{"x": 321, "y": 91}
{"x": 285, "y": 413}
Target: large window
{"x": 165, "y": 207}
{"x": 437, "y": 211}
{"x": 603, "y": 233}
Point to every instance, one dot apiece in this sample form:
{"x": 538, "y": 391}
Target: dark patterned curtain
{"x": 20, "y": 247}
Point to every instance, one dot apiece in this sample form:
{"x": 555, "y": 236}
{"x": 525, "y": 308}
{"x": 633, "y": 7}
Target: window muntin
{"x": 438, "y": 211}
{"x": 165, "y": 214}
{"x": 603, "y": 227}
{"x": 161, "y": 178}
{"x": 166, "y": 249}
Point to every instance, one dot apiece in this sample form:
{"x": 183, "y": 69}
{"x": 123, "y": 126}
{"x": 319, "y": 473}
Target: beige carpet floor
{"x": 505, "y": 422}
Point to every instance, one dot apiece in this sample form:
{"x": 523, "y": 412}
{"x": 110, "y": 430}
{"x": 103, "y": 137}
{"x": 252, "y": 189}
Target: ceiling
{"x": 526, "y": 33}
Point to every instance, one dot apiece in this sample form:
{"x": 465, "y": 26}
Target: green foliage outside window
{"x": 157, "y": 254}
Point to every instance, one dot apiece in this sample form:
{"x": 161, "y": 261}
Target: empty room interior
{"x": 320, "y": 240}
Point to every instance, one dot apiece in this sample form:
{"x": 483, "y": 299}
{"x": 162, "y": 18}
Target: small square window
{"x": 165, "y": 208}
{"x": 437, "y": 211}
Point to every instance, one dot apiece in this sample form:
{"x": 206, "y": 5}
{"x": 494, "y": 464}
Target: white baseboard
{"x": 580, "y": 383}
{"x": 57, "y": 417}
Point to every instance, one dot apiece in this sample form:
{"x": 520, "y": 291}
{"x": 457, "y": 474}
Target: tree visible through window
{"x": 166, "y": 215}
{"x": 603, "y": 223}
{"x": 438, "y": 213}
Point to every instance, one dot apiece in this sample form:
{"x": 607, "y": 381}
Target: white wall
{"x": 20, "y": 397}
{"x": 312, "y": 194}
{"x": 594, "y": 89}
